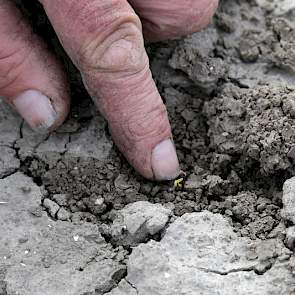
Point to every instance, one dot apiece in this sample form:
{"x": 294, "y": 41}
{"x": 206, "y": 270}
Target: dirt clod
{"x": 137, "y": 222}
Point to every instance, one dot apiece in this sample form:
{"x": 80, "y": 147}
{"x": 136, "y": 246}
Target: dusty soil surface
{"x": 76, "y": 219}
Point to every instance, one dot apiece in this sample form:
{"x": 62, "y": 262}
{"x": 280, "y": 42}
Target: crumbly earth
{"x": 76, "y": 219}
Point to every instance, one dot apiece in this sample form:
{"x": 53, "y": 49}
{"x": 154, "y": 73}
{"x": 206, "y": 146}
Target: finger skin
{"x": 104, "y": 39}
{"x": 26, "y": 65}
{"x": 167, "y": 19}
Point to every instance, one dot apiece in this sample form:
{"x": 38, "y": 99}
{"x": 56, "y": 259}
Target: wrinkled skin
{"x": 104, "y": 38}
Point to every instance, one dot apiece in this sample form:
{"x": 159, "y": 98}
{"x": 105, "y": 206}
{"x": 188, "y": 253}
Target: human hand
{"x": 104, "y": 40}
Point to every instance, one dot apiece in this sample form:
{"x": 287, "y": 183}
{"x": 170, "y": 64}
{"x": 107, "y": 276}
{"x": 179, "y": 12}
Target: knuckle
{"x": 119, "y": 48}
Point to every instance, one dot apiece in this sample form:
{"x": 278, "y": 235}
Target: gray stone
{"x": 288, "y": 211}
{"x": 8, "y": 161}
{"x": 95, "y": 204}
{"x": 60, "y": 199}
{"x": 136, "y": 222}
{"x": 200, "y": 254}
{"x": 51, "y": 206}
{"x": 40, "y": 256}
{"x": 63, "y": 214}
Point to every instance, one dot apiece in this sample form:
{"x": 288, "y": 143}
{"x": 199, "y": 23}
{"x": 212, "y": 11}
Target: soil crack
{"x": 131, "y": 285}
{"x": 242, "y": 269}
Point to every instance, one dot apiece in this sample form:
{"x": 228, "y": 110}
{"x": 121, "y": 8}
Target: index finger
{"x": 104, "y": 39}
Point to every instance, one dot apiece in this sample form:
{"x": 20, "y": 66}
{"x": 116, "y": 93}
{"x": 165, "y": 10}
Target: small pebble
{"x": 51, "y": 206}
{"x": 63, "y": 214}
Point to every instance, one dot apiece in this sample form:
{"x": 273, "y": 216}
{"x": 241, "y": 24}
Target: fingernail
{"x": 36, "y": 109}
{"x": 165, "y": 163}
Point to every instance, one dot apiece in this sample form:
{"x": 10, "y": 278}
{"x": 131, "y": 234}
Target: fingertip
{"x": 164, "y": 161}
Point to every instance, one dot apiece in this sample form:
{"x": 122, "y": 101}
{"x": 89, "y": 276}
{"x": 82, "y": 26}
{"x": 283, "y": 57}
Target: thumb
{"x": 104, "y": 39}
